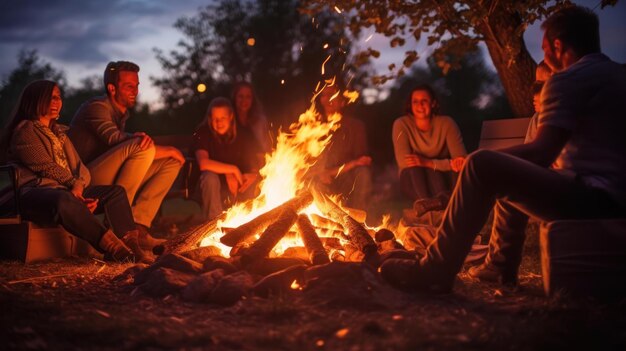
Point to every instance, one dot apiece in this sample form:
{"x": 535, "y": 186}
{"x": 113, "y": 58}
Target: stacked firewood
{"x": 201, "y": 274}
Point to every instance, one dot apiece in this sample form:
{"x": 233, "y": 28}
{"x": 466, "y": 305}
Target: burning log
{"x": 312, "y": 242}
{"x": 325, "y": 223}
{"x": 189, "y": 240}
{"x": 358, "y": 235}
{"x": 262, "y": 221}
{"x": 270, "y": 237}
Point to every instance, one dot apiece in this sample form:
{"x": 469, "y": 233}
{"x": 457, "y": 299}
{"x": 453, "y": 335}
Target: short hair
{"x": 113, "y": 69}
{"x": 431, "y": 92}
{"x": 576, "y": 27}
{"x": 537, "y": 86}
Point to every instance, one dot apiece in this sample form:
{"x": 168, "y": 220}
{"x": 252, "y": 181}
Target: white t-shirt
{"x": 589, "y": 99}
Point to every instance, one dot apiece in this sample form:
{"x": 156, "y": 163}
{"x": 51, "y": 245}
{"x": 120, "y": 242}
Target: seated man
{"x": 344, "y": 166}
{"x": 146, "y": 171}
{"x": 581, "y": 125}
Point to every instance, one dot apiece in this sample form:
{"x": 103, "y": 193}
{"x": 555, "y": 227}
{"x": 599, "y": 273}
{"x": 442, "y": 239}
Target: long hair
{"x": 255, "y": 109}
{"x": 34, "y": 102}
{"x": 232, "y": 131}
{"x": 431, "y": 92}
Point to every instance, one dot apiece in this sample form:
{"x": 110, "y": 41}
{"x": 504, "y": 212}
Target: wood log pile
{"x": 200, "y": 274}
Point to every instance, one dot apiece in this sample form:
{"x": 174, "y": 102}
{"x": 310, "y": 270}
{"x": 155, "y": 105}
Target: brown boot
{"x": 147, "y": 241}
{"x": 131, "y": 239}
{"x": 114, "y": 247}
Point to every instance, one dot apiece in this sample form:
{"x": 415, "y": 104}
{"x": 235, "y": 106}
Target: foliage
{"x": 283, "y": 62}
{"x": 29, "y": 68}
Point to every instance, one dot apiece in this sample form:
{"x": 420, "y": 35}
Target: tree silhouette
{"x": 453, "y": 28}
{"x": 267, "y": 42}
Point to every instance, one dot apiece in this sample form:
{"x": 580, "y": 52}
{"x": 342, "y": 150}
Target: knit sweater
{"x": 441, "y": 143}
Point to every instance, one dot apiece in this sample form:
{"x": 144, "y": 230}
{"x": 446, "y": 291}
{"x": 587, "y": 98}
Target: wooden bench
{"x": 501, "y": 133}
{"x": 28, "y": 242}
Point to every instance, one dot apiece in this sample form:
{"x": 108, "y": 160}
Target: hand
{"x": 415, "y": 160}
{"x": 232, "y": 184}
{"x": 177, "y": 155}
{"x": 145, "y": 142}
{"x": 457, "y": 163}
{"x": 248, "y": 180}
{"x": 77, "y": 191}
{"x": 91, "y": 204}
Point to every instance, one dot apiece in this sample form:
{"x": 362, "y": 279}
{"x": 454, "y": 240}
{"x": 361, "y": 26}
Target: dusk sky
{"x": 81, "y": 36}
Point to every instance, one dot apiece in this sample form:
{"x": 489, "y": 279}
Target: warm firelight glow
{"x": 296, "y": 151}
{"x": 251, "y": 41}
{"x": 201, "y": 88}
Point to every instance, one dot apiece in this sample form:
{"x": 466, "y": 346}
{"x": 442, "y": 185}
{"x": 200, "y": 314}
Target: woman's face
{"x": 56, "y": 103}
{"x": 421, "y": 104}
{"x": 243, "y": 99}
{"x": 221, "y": 119}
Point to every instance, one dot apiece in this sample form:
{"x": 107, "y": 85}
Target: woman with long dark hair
{"x": 227, "y": 154}
{"x": 249, "y": 114}
{"x": 54, "y": 183}
{"x": 429, "y": 150}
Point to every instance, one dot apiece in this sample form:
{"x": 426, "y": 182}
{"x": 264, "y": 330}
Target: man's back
{"x": 589, "y": 100}
{"x": 96, "y": 127}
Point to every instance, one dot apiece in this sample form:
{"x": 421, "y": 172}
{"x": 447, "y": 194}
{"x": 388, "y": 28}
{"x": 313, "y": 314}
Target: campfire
{"x": 289, "y": 228}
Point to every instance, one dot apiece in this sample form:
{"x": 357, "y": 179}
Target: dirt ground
{"x": 78, "y": 304}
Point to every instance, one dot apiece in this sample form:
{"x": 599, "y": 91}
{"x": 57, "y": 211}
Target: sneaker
{"x": 488, "y": 272}
{"x": 407, "y": 274}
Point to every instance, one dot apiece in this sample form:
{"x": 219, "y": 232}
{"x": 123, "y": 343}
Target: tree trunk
{"x": 510, "y": 56}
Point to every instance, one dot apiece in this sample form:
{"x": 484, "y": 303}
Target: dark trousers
{"x": 50, "y": 206}
{"x": 508, "y": 233}
{"x": 422, "y": 182}
{"x": 536, "y": 191}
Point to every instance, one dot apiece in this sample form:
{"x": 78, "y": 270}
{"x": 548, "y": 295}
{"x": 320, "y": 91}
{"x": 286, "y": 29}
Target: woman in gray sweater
{"x": 428, "y": 148}
{"x": 54, "y": 183}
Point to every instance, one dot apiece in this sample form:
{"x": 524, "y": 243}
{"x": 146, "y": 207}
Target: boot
{"x": 488, "y": 272}
{"x": 131, "y": 239}
{"x": 425, "y": 205}
{"x": 147, "y": 241}
{"x": 114, "y": 248}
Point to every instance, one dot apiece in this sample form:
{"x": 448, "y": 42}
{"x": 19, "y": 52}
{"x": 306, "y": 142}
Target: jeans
{"x": 145, "y": 179}
{"x": 52, "y": 206}
{"x": 489, "y": 176}
{"x": 422, "y": 182}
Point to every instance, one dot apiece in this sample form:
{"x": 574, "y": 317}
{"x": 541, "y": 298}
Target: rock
{"x": 200, "y": 254}
{"x": 200, "y": 289}
{"x": 266, "y": 266}
{"x": 232, "y": 288}
{"x": 172, "y": 261}
{"x": 129, "y": 274}
{"x": 279, "y": 282}
{"x": 165, "y": 281}
{"x": 218, "y": 262}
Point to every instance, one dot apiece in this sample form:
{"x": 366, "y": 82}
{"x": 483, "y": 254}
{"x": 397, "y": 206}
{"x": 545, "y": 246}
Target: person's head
{"x": 40, "y": 99}
{"x": 331, "y": 100}
{"x": 569, "y": 34}
{"x": 422, "y": 102}
{"x": 220, "y": 118}
{"x": 542, "y": 72}
{"x": 536, "y": 89}
{"x": 243, "y": 97}
{"x": 121, "y": 81}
